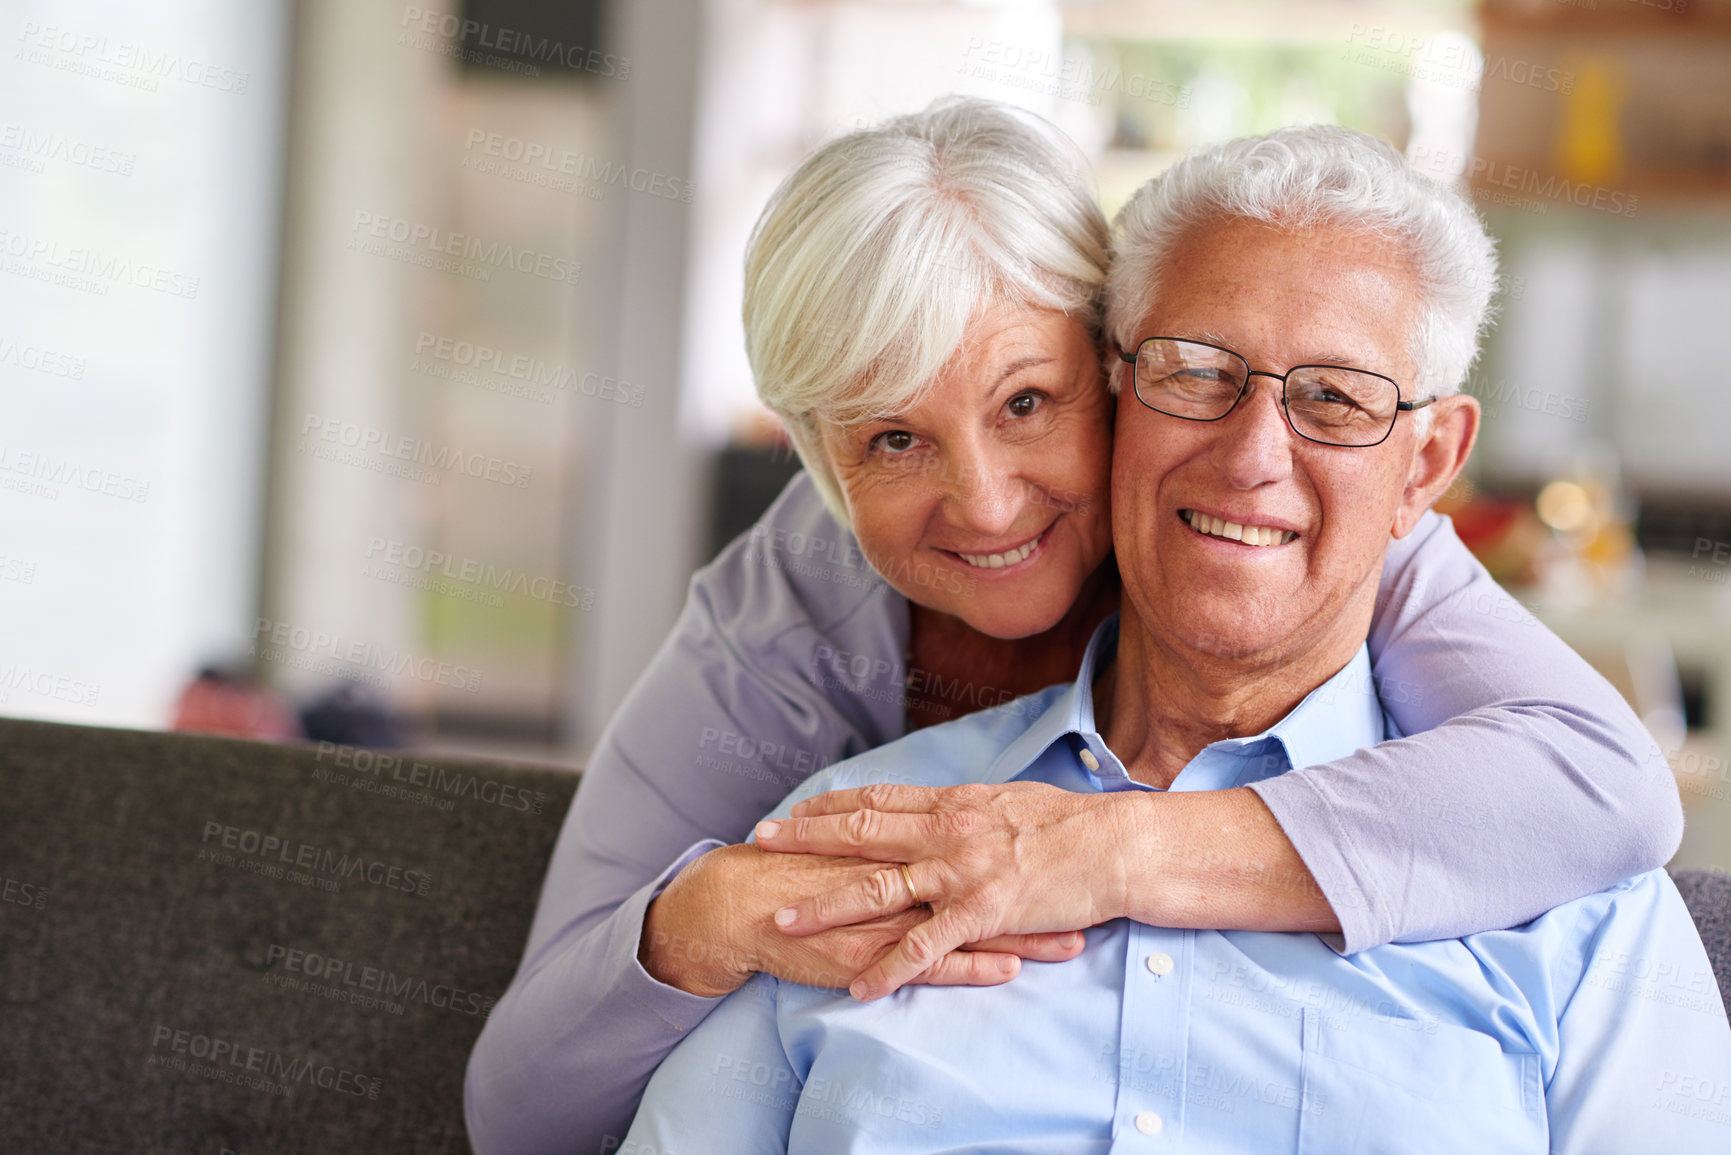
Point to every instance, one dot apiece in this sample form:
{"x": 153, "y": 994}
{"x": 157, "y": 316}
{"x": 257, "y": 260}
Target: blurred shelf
{"x": 1262, "y": 21}
{"x": 1628, "y": 100}
{"x": 1674, "y": 188}
{"x": 1619, "y": 18}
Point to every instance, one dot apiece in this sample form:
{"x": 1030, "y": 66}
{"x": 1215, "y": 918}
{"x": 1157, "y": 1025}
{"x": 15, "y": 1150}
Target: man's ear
{"x": 1436, "y": 461}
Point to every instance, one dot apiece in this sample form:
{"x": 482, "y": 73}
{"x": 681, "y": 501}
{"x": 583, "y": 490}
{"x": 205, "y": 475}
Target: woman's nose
{"x": 984, "y": 493}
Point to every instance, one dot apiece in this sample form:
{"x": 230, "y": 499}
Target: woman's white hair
{"x": 1319, "y": 177}
{"x": 871, "y": 260}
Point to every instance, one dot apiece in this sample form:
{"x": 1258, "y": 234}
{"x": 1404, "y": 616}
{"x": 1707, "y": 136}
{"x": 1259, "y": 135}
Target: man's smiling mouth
{"x": 1258, "y": 535}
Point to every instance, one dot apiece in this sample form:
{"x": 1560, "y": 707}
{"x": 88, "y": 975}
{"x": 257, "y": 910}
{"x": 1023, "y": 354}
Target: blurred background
{"x": 373, "y": 372}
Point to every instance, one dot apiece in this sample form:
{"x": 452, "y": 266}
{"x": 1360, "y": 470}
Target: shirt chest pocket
{"x": 1375, "y": 1085}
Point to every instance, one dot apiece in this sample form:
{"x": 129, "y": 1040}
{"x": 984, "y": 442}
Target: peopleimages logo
{"x": 1494, "y": 396}
{"x": 90, "y": 269}
{"x": 1488, "y": 176}
{"x": 413, "y": 451}
{"x": 23, "y": 893}
{"x": 529, "y": 370}
{"x": 293, "y": 852}
{"x": 322, "y": 970}
{"x": 17, "y": 569}
{"x": 87, "y": 54}
{"x": 1447, "y": 60}
{"x": 272, "y": 1071}
{"x": 472, "y": 571}
{"x": 273, "y": 639}
{"x": 40, "y": 146}
{"x": 1065, "y": 76}
{"x": 438, "y": 242}
{"x": 552, "y": 159}
{"x": 40, "y": 360}
{"x": 373, "y": 766}
{"x": 47, "y": 685}
{"x": 544, "y": 49}
{"x": 54, "y": 471}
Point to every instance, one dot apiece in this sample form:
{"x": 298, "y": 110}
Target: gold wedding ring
{"x": 907, "y": 877}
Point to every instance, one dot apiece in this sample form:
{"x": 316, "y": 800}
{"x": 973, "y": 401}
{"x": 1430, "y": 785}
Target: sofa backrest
{"x": 210, "y": 945}
{"x": 1707, "y": 893}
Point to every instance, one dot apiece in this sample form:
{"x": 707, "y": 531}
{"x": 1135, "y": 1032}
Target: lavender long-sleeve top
{"x": 1526, "y": 782}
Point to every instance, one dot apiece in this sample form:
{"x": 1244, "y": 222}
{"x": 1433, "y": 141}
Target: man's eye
{"x": 1023, "y": 404}
{"x": 893, "y": 442}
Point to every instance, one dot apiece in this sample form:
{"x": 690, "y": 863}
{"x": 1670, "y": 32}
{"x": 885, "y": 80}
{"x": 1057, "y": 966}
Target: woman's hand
{"x": 713, "y": 927}
{"x": 1022, "y": 858}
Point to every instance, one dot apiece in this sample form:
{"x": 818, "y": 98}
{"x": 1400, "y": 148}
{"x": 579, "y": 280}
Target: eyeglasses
{"x": 1328, "y": 404}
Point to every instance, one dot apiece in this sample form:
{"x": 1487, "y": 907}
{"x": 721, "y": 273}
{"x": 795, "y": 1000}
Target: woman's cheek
{"x": 882, "y": 528}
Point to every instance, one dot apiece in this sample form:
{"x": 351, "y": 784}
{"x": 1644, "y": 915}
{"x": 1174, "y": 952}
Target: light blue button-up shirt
{"x": 1594, "y": 1028}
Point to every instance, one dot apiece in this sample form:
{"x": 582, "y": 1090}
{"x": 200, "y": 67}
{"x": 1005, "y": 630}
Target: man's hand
{"x": 1023, "y": 858}
{"x": 713, "y": 927}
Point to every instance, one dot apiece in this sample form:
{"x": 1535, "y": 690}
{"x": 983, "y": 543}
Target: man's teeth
{"x": 1248, "y": 534}
{"x": 999, "y": 560}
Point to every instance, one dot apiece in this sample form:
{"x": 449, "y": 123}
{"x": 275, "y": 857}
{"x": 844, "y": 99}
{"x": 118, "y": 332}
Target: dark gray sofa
{"x": 213, "y": 946}
{"x": 170, "y": 909}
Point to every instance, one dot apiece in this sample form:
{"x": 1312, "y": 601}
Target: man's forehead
{"x": 1279, "y": 351}
{"x": 1332, "y": 297}
{"x": 1341, "y": 244}
{"x": 1233, "y": 257}
{"x": 1323, "y": 355}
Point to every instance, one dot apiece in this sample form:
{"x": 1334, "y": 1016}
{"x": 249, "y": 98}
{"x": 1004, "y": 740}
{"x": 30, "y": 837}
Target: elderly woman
{"x": 923, "y": 308}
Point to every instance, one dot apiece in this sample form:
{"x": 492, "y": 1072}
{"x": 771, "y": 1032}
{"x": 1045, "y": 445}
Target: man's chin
{"x": 1228, "y": 630}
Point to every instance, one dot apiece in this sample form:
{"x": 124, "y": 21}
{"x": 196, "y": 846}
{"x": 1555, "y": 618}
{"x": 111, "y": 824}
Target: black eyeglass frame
{"x": 1399, "y": 406}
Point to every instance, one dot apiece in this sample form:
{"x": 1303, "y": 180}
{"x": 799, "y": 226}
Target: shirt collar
{"x": 1335, "y": 719}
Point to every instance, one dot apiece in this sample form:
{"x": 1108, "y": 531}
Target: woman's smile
{"x": 1010, "y": 558}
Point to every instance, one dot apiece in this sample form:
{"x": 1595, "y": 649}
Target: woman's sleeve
{"x": 733, "y": 712}
{"x": 1526, "y": 782}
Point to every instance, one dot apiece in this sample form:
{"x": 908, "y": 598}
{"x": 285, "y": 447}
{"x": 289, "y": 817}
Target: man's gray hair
{"x": 1318, "y": 177}
{"x": 873, "y": 257}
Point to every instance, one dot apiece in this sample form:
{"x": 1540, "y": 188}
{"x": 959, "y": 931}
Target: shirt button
{"x": 1149, "y": 1123}
{"x": 1160, "y": 963}
{"x": 1088, "y": 759}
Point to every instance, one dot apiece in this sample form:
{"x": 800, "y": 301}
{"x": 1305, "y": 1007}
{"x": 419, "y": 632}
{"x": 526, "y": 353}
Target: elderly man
{"x": 1294, "y": 315}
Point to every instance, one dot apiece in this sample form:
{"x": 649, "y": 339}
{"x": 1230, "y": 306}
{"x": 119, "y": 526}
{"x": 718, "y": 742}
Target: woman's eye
{"x": 894, "y": 441}
{"x": 1024, "y": 404}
